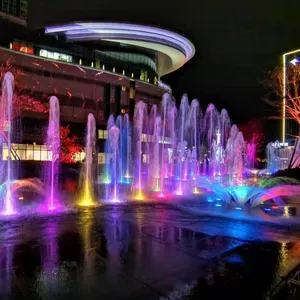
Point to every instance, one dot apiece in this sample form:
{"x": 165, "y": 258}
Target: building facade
{"x": 98, "y": 68}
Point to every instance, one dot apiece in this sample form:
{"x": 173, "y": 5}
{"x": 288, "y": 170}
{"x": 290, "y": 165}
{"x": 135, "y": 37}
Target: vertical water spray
{"x": 121, "y": 149}
{"x": 113, "y": 136}
{"x": 127, "y": 134}
{"x": 140, "y": 115}
{"x": 88, "y": 189}
{"x": 183, "y": 113}
{"x": 6, "y": 119}
{"x": 154, "y": 167}
{"x": 163, "y": 165}
{"x": 53, "y": 142}
{"x": 172, "y": 127}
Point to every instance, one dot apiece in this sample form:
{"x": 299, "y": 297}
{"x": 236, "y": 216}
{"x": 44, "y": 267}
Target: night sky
{"x": 236, "y": 42}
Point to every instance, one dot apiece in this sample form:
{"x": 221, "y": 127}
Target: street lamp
{"x": 294, "y": 62}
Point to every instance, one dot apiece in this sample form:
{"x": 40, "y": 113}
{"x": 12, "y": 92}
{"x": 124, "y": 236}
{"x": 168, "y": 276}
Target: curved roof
{"x": 173, "y": 50}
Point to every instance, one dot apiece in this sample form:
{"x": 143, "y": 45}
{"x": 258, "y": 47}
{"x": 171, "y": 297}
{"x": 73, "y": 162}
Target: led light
{"x": 218, "y": 205}
{"x": 176, "y": 47}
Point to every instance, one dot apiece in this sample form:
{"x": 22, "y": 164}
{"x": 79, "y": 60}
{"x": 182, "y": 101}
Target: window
{"x": 102, "y": 134}
{"x": 101, "y": 158}
{"x": 22, "y": 46}
{"x": 27, "y": 152}
{"x": 55, "y": 55}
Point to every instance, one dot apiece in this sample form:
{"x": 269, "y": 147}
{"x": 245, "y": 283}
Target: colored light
{"x": 218, "y": 205}
{"x": 127, "y": 176}
{"x": 284, "y": 91}
{"x": 139, "y": 195}
{"x": 161, "y": 195}
{"x": 176, "y": 47}
{"x": 87, "y": 198}
{"x": 238, "y": 208}
{"x": 209, "y": 200}
{"x": 179, "y": 192}
{"x": 267, "y": 209}
{"x": 196, "y": 191}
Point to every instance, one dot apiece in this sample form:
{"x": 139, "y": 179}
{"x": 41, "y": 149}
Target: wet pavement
{"x": 143, "y": 251}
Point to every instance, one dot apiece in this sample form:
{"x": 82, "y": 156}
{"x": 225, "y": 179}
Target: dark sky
{"x": 236, "y": 41}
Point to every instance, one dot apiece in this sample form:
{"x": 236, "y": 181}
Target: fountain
{"x": 87, "y": 196}
{"x": 53, "y": 142}
{"x": 140, "y": 118}
{"x": 164, "y": 152}
{"x": 6, "y": 123}
{"x": 113, "y": 139}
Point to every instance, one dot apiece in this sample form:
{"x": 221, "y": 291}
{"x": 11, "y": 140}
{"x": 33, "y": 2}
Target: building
{"x": 99, "y": 68}
{"x": 14, "y": 10}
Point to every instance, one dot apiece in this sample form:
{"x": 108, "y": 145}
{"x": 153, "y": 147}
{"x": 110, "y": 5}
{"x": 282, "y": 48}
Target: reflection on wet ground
{"x": 147, "y": 251}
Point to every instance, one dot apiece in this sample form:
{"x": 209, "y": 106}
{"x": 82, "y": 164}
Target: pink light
{"x": 161, "y": 195}
{"x": 179, "y": 192}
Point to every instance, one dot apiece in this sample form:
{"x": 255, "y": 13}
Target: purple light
{"x": 112, "y": 31}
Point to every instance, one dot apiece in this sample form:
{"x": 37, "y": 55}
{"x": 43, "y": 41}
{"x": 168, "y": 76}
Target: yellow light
{"x": 87, "y": 198}
{"x": 284, "y": 91}
{"x": 196, "y": 191}
{"x": 139, "y": 196}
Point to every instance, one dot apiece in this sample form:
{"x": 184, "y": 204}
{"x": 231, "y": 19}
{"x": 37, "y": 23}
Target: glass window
{"x": 55, "y": 55}
{"x": 29, "y": 154}
{"x": 44, "y": 155}
{"x": 105, "y": 134}
{"x": 101, "y": 158}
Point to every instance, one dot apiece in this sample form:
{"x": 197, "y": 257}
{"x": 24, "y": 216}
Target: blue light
{"x": 267, "y": 209}
{"x": 218, "y": 205}
{"x": 209, "y": 200}
{"x": 218, "y": 199}
{"x": 238, "y": 208}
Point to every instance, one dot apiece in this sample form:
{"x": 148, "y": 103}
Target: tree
{"x": 69, "y": 145}
{"x": 275, "y": 82}
{"x": 22, "y": 100}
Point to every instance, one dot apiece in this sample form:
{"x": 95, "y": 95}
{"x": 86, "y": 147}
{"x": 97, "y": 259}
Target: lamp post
{"x": 294, "y": 62}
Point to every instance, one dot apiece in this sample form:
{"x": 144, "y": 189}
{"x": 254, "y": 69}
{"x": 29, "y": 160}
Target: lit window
{"x": 92, "y": 64}
{"x": 145, "y": 158}
{"x": 55, "y": 55}
{"x": 114, "y": 69}
{"x": 101, "y": 158}
{"x": 105, "y": 134}
{"x": 132, "y": 75}
{"x": 123, "y": 111}
{"x": 103, "y": 67}
{"x": 80, "y": 61}
{"x": 102, "y": 134}
{"x": 123, "y": 72}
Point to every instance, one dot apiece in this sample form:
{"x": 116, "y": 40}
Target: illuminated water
{"x": 147, "y": 252}
{"x": 87, "y": 186}
{"x": 6, "y": 123}
{"x": 53, "y": 142}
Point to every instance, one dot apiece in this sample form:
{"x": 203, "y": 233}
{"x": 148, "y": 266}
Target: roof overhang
{"x": 173, "y": 49}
